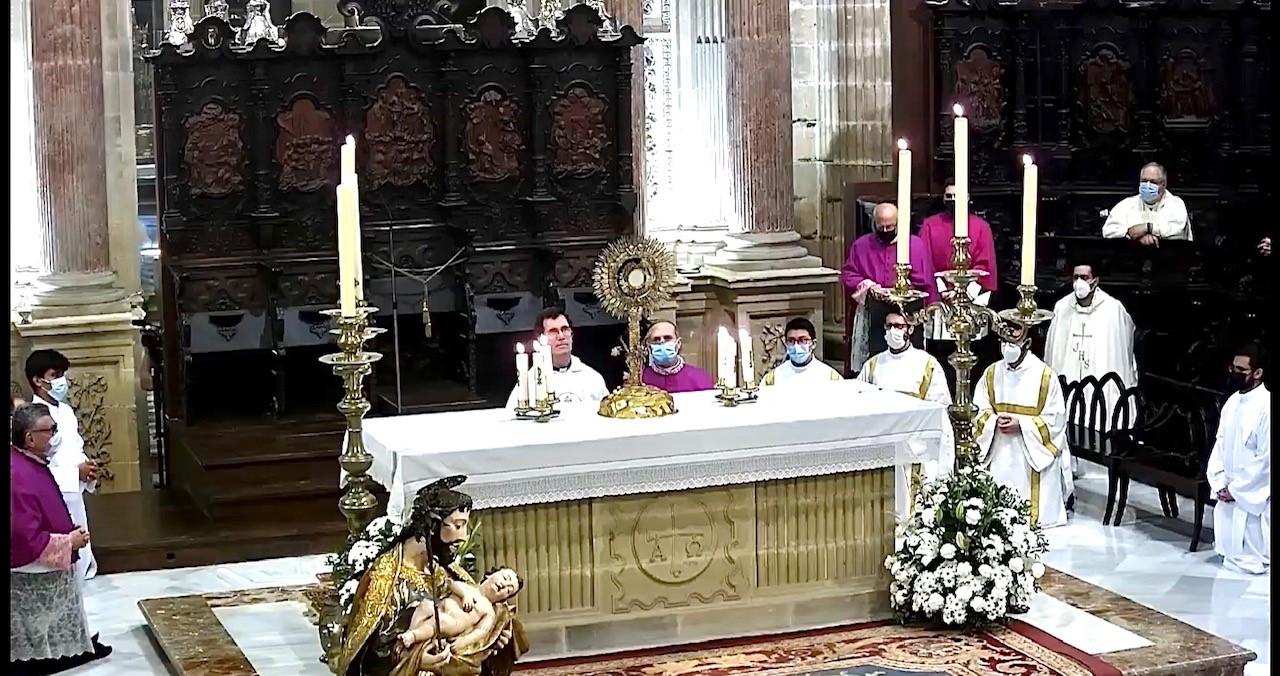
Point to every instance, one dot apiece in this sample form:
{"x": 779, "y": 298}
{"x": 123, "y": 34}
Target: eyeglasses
{"x": 799, "y": 341}
{"x": 556, "y": 331}
{"x": 53, "y": 429}
{"x": 897, "y": 325}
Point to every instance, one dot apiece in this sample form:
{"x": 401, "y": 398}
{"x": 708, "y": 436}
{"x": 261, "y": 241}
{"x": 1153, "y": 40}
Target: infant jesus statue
{"x": 468, "y": 614}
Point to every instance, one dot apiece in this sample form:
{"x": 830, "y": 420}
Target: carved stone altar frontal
{"x": 514, "y": 153}
{"x": 653, "y": 569}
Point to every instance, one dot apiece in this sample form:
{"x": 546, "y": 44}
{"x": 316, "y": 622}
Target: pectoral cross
{"x": 1078, "y": 346}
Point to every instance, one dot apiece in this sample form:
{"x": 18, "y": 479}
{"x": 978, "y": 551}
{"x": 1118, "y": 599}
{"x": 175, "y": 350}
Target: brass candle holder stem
{"x": 543, "y": 408}
{"x": 352, "y": 364}
{"x": 730, "y": 395}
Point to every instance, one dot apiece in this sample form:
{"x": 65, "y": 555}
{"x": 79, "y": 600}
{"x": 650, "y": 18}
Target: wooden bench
{"x": 1091, "y": 420}
{"x": 1169, "y": 446}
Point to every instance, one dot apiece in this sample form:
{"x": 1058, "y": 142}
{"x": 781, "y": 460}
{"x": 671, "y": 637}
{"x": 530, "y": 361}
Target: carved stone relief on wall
{"x": 579, "y": 137}
{"x": 305, "y": 148}
{"x": 979, "y": 87}
{"x": 1106, "y": 95}
{"x": 88, "y": 396}
{"x": 399, "y": 136}
{"x": 492, "y": 140}
{"x": 214, "y": 153}
{"x": 1186, "y": 90}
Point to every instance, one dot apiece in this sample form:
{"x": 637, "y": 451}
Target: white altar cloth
{"x": 842, "y": 426}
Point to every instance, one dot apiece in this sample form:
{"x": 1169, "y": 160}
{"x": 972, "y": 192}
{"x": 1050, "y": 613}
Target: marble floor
{"x": 1145, "y": 559}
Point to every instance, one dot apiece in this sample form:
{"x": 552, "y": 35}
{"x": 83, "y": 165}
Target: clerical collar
{"x": 900, "y": 352}
{"x": 33, "y": 456}
{"x": 673, "y": 369}
{"x": 565, "y": 368}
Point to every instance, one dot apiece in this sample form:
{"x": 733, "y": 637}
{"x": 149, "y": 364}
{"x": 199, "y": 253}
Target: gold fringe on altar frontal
{"x": 803, "y": 551}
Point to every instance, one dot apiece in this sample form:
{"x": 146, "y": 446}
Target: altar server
{"x": 800, "y": 367}
{"x": 869, "y": 274}
{"x": 48, "y": 629}
{"x": 1239, "y": 469}
{"x": 1151, "y": 215}
{"x": 1022, "y": 429}
{"x": 571, "y": 380}
{"x": 46, "y": 372}
{"x": 667, "y": 370}
{"x": 1091, "y": 335}
{"x": 907, "y": 369}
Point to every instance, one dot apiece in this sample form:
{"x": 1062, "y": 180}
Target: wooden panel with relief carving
{"x": 400, "y": 136}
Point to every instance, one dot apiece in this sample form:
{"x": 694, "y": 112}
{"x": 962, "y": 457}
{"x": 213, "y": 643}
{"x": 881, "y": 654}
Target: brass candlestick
{"x": 352, "y": 364}
{"x": 964, "y": 319}
{"x": 730, "y": 395}
{"x": 543, "y": 408}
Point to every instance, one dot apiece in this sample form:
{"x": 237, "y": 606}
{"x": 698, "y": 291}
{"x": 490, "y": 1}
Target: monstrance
{"x": 631, "y": 280}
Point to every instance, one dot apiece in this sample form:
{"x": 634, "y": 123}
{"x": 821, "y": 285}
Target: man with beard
{"x": 422, "y": 565}
{"x": 868, "y": 276}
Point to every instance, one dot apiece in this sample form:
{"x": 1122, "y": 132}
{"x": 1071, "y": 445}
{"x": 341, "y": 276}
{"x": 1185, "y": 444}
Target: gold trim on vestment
{"x": 926, "y": 381}
{"x": 1035, "y": 496}
{"x": 871, "y": 370}
{"x": 1045, "y": 438}
{"x": 1046, "y": 377}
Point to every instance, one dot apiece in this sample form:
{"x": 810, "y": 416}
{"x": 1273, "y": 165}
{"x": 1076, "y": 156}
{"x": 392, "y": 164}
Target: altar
{"x": 715, "y": 521}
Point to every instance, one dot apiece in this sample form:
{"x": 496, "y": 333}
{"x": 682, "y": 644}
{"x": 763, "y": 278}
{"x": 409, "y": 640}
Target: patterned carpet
{"x": 872, "y": 649}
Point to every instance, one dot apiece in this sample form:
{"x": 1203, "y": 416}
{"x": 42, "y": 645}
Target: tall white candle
{"x": 346, "y": 254}
{"x": 904, "y": 202}
{"x": 748, "y": 368}
{"x": 539, "y": 373}
{"x": 962, "y": 171}
{"x": 548, "y": 367}
{"x": 726, "y": 355}
{"x": 522, "y": 375}
{"x": 1030, "y": 197}
{"x": 349, "y": 160}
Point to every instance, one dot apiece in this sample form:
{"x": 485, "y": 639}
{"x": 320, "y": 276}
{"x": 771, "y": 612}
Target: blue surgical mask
{"x": 663, "y": 354}
{"x": 1149, "y": 191}
{"x": 800, "y": 354}
{"x": 58, "y": 388}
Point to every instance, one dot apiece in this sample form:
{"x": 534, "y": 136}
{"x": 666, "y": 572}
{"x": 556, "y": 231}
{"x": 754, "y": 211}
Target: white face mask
{"x": 1082, "y": 288}
{"x": 1011, "y": 352}
{"x": 896, "y": 338}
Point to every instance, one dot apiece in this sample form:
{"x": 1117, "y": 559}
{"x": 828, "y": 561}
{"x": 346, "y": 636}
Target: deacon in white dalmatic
{"x": 571, "y": 379}
{"x": 907, "y": 369}
{"x": 1151, "y": 215}
{"x": 1021, "y": 429}
{"x": 1239, "y": 468}
{"x": 801, "y": 366}
{"x": 1091, "y": 335}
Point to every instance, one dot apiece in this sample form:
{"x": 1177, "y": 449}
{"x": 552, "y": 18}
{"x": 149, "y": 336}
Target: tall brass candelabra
{"x": 965, "y": 319}
{"x": 352, "y": 364}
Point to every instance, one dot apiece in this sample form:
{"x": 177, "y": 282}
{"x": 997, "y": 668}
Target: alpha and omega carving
{"x": 1185, "y": 87}
{"x": 674, "y": 546}
{"x": 1106, "y": 97}
{"x": 214, "y": 153}
{"x": 398, "y": 136}
{"x": 305, "y": 147}
{"x": 493, "y": 140}
{"x": 979, "y": 86}
{"x": 579, "y": 137}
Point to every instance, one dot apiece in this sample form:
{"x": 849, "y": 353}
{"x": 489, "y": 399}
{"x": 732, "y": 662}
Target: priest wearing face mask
{"x": 801, "y": 366}
{"x": 667, "y": 369}
{"x": 1091, "y": 335}
{"x": 869, "y": 274}
{"x": 1151, "y": 215}
{"x": 46, "y": 372}
{"x": 571, "y": 379}
{"x": 907, "y": 369}
{"x": 1239, "y": 469}
{"x": 1021, "y": 429}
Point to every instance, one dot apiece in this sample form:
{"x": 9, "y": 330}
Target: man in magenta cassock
{"x": 868, "y": 275}
{"x": 667, "y": 370}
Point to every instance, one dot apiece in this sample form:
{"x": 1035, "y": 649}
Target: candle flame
{"x": 519, "y": 348}
{"x": 902, "y": 144}
{"x": 958, "y": 110}
{"x": 351, "y": 140}
{"x": 1027, "y": 160}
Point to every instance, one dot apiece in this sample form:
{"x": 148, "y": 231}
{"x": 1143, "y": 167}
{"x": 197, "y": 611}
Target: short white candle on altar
{"x": 522, "y": 376}
{"x": 726, "y": 355}
{"x": 748, "y": 369}
{"x": 904, "y": 203}
{"x": 541, "y": 374}
{"x": 1030, "y": 199}
{"x": 961, "y": 144}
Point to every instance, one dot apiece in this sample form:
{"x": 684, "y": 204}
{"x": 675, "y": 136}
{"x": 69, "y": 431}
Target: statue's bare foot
{"x": 407, "y": 639}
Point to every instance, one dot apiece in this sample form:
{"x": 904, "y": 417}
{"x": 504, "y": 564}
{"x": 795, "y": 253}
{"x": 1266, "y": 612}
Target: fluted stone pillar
{"x": 71, "y": 160}
{"x": 762, "y": 234}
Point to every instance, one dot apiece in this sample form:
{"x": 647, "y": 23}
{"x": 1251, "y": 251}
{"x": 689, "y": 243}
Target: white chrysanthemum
{"x": 947, "y": 551}
{"x": 935, "y": 603}
{"x": 964, "y": 592}
{"x": 985, "y": 571}
{"x": 928, "y": 516}
{"x": 972, "y": 517}
{"x": 938, "y": 498}
{"x": 1015, "y": 564}
{"x": 978, "y": 603}
{"x": 348, "y": 592}
{"x": 964, "y": 569}
{"x": 974, "y": 502}
{"x": 1037, "y": 570}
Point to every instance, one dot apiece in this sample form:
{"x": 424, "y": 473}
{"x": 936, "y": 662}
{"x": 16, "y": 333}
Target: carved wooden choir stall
{"x": 493, "y": 167}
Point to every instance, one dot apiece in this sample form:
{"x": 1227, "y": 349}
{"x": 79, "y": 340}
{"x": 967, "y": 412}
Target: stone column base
{"x": 761, "y": 252}
{"x": 77, "y": 294}
{"x": 104, "y": 387}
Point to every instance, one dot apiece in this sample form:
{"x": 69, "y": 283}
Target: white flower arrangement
{"x": 348, "y": 565}
{"x": 967, "y": 555}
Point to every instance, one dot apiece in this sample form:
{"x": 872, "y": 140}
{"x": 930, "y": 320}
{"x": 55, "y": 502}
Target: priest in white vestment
{"x": 1239, "y": 469}
{"x": 1151, "y": 215}
{"x": 571, "y": 379}
{"x": 46, "y": 372}
{"x": 907, "y": 369}
{"x": 1091, "y": 335}
{"x": 1021, "y": 430}
{"x": 801, "y": 366}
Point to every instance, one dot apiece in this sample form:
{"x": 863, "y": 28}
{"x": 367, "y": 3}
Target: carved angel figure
{"x": 180, "y": 24}
{"x": 258, "y": 25}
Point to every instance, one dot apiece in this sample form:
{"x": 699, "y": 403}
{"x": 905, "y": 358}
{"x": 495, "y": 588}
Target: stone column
{"x": 70, "y": 154}
{"x": 762, "y": 234}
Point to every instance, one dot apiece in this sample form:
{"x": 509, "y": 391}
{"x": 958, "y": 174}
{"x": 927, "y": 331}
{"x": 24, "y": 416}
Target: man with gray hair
{"x": 1151, "y": 215}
